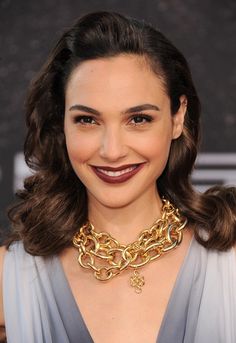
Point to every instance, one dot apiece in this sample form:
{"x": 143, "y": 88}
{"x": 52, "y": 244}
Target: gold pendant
{"x": 137, "y": 281}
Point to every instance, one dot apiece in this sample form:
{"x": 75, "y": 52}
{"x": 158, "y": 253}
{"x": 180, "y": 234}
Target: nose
{"x": 112, "y": 145}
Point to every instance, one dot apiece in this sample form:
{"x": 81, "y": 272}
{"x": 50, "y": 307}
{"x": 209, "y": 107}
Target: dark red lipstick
{"x": 119, "y": 178}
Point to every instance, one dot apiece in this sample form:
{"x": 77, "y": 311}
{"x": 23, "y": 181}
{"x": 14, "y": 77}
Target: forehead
{"x": 121, "y": 77}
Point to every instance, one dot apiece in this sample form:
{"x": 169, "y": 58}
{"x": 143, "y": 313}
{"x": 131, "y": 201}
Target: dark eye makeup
{"x": 84, "y": 120}
{"x": 139, "y": 119}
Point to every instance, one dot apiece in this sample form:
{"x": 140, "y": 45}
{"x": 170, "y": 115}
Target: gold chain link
{"x": 164, "y": 235}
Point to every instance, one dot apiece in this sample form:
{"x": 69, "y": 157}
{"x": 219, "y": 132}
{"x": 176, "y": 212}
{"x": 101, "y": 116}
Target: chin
{"x": 117, "y": 204}
{"x": 106, "y": 201}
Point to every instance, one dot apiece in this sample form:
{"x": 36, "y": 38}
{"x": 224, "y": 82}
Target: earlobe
{"x": 178, "y": 118}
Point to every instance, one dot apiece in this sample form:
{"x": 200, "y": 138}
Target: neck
{"x": 125, "y": 223}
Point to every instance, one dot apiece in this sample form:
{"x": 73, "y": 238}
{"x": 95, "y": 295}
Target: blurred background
{"x": 204, "y": 31}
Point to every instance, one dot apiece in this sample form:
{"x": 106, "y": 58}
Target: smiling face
{"x": 117, "y": 114}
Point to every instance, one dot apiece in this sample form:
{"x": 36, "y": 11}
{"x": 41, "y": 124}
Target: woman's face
{"x": 117, "y": 115}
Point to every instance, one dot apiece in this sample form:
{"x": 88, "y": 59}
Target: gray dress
{"x": 39, "y": 306}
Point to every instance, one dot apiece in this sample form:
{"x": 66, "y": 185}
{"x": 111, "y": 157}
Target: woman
{"x": 110, "y": 241}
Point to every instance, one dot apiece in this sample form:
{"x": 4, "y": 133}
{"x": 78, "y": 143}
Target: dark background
{"x": 204, "y": 31}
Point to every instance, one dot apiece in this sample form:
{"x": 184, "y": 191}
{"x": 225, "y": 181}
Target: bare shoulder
{"x": 2, "y": 253}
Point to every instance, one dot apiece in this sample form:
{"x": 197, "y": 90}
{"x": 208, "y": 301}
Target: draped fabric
{"x": 39, "y": 305}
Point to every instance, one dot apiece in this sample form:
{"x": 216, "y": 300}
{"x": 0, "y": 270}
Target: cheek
{"x": 156, "y": 146}
{"x": 79, "y": 149}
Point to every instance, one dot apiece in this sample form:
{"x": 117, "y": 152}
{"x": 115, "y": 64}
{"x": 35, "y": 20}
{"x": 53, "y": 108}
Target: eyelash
{"x": 77, "y": 119}
{"x": 147, "y": 117}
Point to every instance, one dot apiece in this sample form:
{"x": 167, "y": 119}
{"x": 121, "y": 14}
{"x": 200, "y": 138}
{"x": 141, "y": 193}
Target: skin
{"x": 113, "y": 139}
{"x": 110, "y": 86}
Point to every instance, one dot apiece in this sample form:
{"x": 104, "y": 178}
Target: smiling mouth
{"x": 117, "y": 172}
{"x": 117, "y": 175}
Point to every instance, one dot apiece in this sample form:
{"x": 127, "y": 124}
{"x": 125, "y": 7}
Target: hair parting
{"x": 53, "y": 204}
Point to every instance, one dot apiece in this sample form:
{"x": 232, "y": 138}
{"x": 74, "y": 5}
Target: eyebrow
{"x": 130, "y": 110}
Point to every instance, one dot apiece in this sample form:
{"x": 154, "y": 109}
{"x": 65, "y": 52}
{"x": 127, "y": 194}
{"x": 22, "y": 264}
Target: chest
{"x": 131, "y": 324}
{"x": 114, "y": 312}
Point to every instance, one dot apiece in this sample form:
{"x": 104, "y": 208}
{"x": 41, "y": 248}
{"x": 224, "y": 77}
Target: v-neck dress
{"x": 39, "y": 306}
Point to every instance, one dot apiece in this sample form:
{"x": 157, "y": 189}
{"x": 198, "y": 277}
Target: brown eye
{"x": 141, "y": 119}
{"x": 83, "y": 120}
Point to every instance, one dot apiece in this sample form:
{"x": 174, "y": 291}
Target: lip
{"x": 125, "y": 166}
{"x": 120, "y": 178}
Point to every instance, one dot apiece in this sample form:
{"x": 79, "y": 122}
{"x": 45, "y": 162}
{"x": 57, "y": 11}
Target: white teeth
{"x": 116, "y": 173}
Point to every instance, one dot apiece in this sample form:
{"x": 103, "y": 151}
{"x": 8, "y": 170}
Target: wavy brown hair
{"x": 53, "y": 204}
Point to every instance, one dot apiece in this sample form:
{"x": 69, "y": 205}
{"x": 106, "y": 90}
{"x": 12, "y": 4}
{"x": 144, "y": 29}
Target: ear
{"x": 178, "y": 118}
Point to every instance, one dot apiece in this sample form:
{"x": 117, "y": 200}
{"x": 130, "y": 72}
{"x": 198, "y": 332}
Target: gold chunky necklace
{"x": 164, "y": 235}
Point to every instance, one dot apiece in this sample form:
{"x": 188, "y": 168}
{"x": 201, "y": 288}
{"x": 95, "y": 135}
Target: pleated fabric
{"x": 39, "y": 306}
